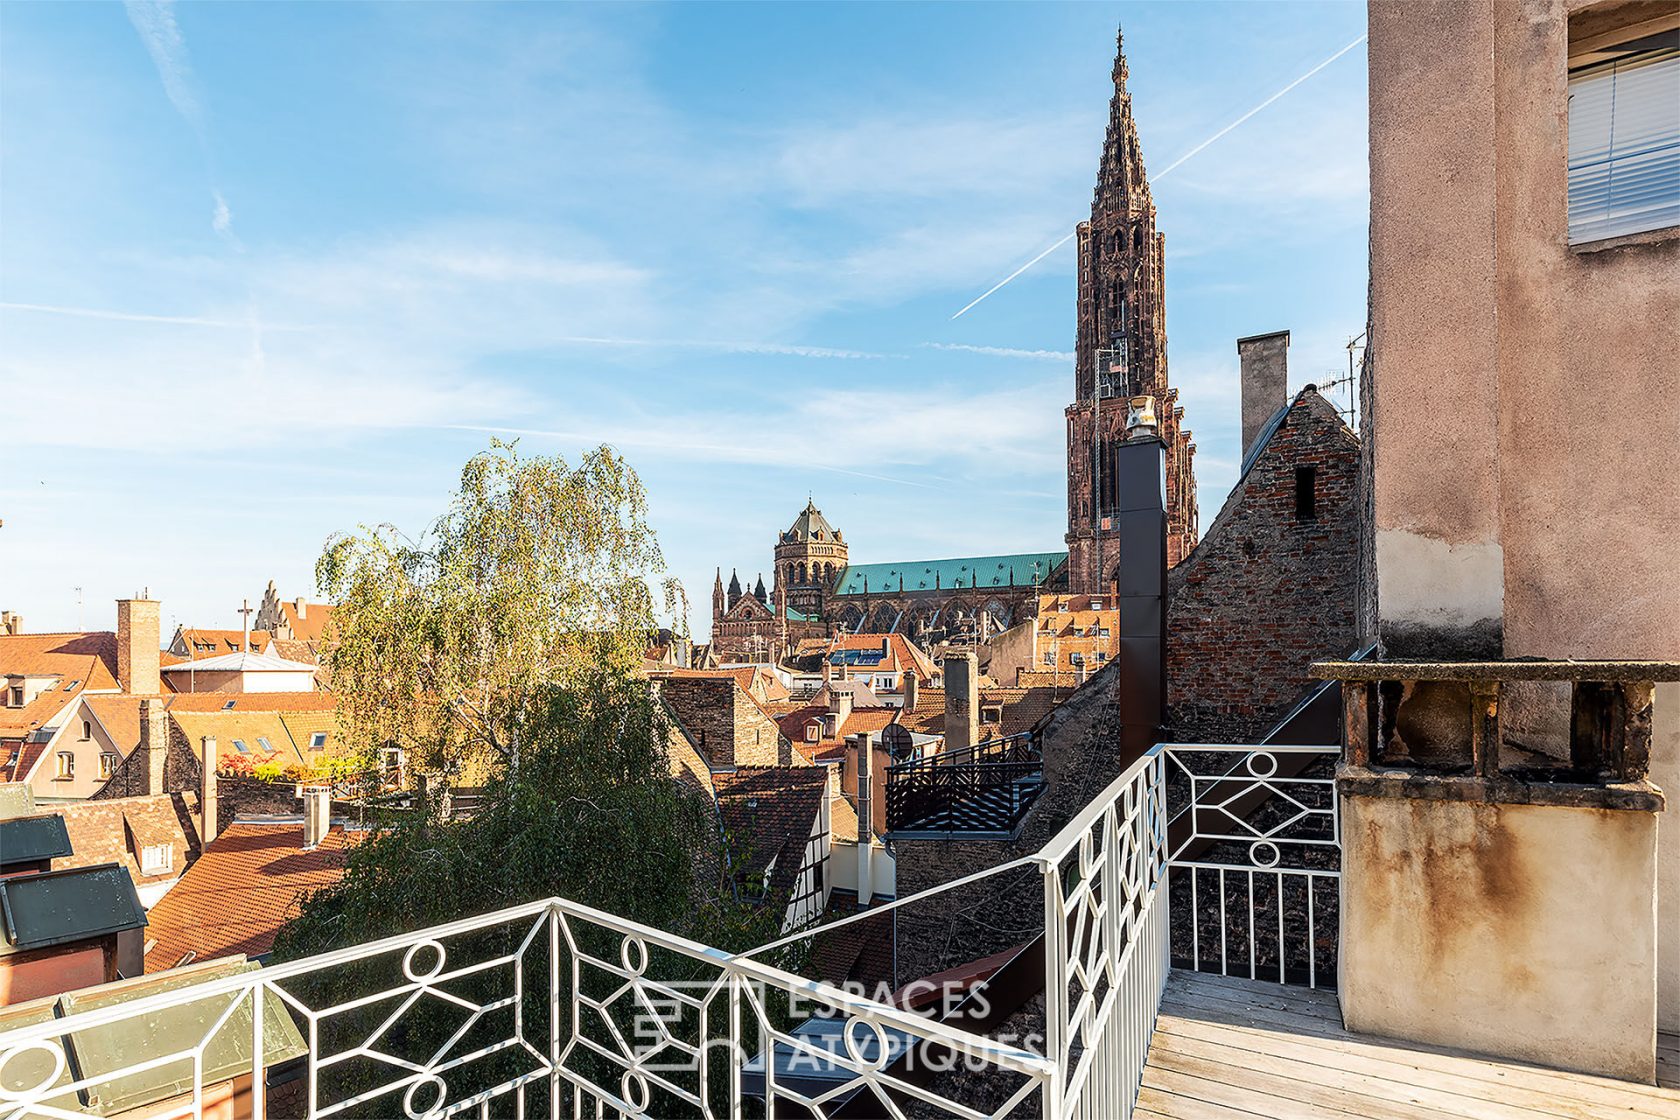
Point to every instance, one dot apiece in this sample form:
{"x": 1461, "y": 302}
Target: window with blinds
{"x": 1624, "y": 140}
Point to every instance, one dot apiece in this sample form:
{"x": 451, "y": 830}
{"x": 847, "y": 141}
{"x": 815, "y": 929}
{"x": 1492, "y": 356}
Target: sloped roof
{"x": 115, "y": 830}
{"x": 230, "y": 729}
{"x": 1022, "y": 709}
{"x": 59, "y": 907}
{"x": 768, "y": 813}
{"x": 317, "y": 701}
{"x": 200, "y": 642}
{"x": 239, "y": 893}
{"x": 1022, "y": 569}
{"x": 902, "y": 653}
{"x": 28, "y": 839}
{"x": 810, "y": 525}
{"x": 315, "y": 622}
{"x": 80, "y": 661}
{"x": 242, "y": 662}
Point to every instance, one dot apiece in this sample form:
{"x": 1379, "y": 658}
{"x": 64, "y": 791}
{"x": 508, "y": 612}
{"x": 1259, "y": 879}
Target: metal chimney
{"x": 1141, "y": 687}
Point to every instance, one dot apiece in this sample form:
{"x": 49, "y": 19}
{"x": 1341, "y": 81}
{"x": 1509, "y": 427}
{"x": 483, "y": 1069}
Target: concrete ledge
{"x": 1359, "y": 781}
{"x": 1536, "y": 670}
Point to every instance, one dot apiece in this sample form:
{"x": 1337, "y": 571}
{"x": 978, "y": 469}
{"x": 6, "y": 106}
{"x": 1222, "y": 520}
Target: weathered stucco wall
{"x": 1527, "y": 398}
{"x": 1665, "y": 771}
{"x": 1520, "y": 930}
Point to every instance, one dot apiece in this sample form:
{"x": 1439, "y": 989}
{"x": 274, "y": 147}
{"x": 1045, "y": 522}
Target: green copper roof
{"x": 29, "y": 839}
{"x": 1024, "y": 569}
{"x": 59, "y": 907}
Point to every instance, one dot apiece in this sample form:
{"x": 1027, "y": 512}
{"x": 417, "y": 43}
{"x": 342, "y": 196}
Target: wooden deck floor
{"x": 1241, "y": 1049}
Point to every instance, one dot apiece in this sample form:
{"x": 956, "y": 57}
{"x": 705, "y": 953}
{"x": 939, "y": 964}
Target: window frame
{"x": 65, "y": 764}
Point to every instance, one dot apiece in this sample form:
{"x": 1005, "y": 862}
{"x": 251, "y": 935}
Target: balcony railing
{"x": 556, "y": 1009}
{"x": 981, "y": 791}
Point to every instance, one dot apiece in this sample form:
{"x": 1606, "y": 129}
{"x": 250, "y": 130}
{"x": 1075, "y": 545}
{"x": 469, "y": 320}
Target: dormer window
{"x": 813, "y": 732}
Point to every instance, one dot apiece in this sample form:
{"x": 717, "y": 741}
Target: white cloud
{"x": 1063, "y": 356}
{"x": 155, "y": 21}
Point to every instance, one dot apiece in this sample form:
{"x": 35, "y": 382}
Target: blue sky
{"x": 273, "y": 271}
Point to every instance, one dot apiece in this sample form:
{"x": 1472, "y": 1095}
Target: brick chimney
{"x": 962, "y": 700}
{"x": 209, "y": 827}
{"x": 153, "y": 747}
{"x": 138, "y": 646}
{"x": 1265, "y": 381}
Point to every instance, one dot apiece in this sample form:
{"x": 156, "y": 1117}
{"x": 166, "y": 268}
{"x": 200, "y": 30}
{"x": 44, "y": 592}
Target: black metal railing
{"x": 984, "y": 789}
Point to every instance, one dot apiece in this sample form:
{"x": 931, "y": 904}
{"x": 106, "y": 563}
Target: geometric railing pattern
{"x": 1254, "y": 841}
{"x": 983, "y": 790}
{"x": 560, "y": 1010}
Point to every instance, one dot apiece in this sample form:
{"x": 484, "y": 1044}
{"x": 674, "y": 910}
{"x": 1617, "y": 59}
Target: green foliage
{"x": 538, "y": 571}
{"x": 591, "y": 814}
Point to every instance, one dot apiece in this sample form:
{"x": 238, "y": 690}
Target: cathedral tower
{"x": 1121, "y": 352}
{"x": 809, "y": 559}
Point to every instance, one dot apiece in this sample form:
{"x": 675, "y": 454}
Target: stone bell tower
{"x": 1121, "y": 352}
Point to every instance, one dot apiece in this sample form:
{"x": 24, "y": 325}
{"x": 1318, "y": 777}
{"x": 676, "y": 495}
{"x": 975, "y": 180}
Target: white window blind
{"x": 1624, "y": 145}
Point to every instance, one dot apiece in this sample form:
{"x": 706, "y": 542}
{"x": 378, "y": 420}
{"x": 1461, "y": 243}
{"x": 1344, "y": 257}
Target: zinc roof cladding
{"x": 110, "y": 1047}
{"x": 242, "y": 662}
{"x": 60, "y": 907}
{"x": 810, "y": 525}
{"x": 241, "y": 890}
{"x": 28, "y": 839}
{"x": 1024, "y": 569}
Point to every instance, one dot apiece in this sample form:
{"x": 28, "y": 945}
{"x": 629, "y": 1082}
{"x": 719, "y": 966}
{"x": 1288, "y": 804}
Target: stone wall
{"x": 1266, "y": 592}
{"x": 724, "y": 724}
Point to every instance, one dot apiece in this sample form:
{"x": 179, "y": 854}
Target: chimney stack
{"x": 840, "y": 701}
{"x": 864, "y": 744}
{"x": 1265, "y": 381}
{"x": 962, "y": 700}
{"x": 11, "y": 622}
{"x": 209, "y": 829}
{"x": 912, "y": 689}
{"x": 153, "y": 747}
{"x": 317, "y": 815}
{"x": 1141, "y": 686}
{"x": 301, "y": 609}
{"x": 137, "y": 646}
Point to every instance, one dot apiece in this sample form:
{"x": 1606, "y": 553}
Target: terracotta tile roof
{"x": 86, "y": 661}
{"x": 18, "y": 760}
{"x": 243, "y": 888}
{"x": 826, "y": 747}
{"x": 230, "y": 729}
{"x": 199, "y": 642}
{"x": 115, "y": 831}
{"x": 304, "y": 726}
{"x": 119, "y": 715}
{"x": 317, "y": 701}
{"x": 756, "y": 681}
{"x": 768, "y": 813}
{"x": 314, "y": 624}
{"x": 902, "y": 655}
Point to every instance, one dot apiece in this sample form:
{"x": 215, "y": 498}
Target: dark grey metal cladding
{"x": 1141, "y": 687}
{"x": 59, "y": 907}
{"x": 30, "y": 839}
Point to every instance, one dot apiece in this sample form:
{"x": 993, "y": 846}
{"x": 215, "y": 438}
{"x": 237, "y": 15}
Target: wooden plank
{"x": 1301, "y": 1098}
{"x": 1436, "y": 1093}
{"x": 1243, "y": 990}
{"x": 1394, "y": 1064}
{"x": 1153, "y": 1104}
{"x": 1243, "y": 1100}
{"x": 1270, "y": 1022}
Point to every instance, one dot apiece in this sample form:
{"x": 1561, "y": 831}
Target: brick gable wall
{"x": 1265, "y": 594}
{"x": 724, "y": 724}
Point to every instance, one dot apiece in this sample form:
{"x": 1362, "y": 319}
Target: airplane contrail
{"x": 1169, "y": 168}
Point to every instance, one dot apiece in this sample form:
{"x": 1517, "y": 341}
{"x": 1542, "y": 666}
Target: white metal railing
{"x": 557, "y": 1009}
{"x": 1254, "y": 856}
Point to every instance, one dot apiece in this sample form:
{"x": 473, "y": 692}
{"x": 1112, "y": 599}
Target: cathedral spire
{"x": 1121, "y": 180}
